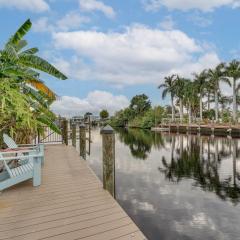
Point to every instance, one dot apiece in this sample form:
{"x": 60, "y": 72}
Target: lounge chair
{"x": 31, "y": 169}
{"x": 12, "y": 144}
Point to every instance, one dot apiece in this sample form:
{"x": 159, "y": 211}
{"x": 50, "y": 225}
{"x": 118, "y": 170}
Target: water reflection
{"x": 176, "y": 186}
{"x": 194, "y": 157}
{"x": 140, "y": 142}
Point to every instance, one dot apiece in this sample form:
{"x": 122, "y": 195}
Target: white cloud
{"x": 201, "y": 21}
{"x": 70, "y": 21}
{"x": 137, "y": 55}
{"x": 94, "y": 5}
{"x": 185, "y": 5}
{"x": 42, "y": 25}
{"x": 167, "y": 23}
{"x": 30, "y": 5}
{"x": 94, "y": 102}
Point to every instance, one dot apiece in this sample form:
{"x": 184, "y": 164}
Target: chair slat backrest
{"x": 9, "y": 141}
{"x": 6, "y": 165}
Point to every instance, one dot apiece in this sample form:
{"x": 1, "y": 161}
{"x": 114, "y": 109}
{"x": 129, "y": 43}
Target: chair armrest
{"x": 19, "y": 158}
{"x": 17, "y": 150}
{"x": 33, "y": 145}
{"x": 27, "y": 145}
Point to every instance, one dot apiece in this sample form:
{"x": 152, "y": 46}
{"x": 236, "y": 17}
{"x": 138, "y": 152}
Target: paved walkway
{"x": 70, "y": 204}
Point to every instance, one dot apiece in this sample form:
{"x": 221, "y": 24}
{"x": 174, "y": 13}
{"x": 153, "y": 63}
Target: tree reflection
{"x": 200, "y": 159}
{"x": 140, "y": 142}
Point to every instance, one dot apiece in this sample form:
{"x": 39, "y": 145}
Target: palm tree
{"x": 201, "y": 84}
{"x": 169, "y": 88}
{"x": 233, "y": 72}
{"x": 179, "y": 91}
{"x": 215, "y": 76}
{"x": 190, "y": 97}
{"x": 224, "y": 101}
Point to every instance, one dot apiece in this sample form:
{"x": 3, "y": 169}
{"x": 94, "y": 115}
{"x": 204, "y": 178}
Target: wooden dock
{"x": 69, "y": 205}
{"x": 205, "y": 129}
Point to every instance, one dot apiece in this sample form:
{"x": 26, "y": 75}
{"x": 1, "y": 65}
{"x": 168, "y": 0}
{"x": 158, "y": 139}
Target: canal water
{"x": 176, "y": 186}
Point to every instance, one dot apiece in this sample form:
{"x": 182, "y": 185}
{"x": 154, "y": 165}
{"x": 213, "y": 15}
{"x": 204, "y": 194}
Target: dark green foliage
{"x": 140, "y": 104}
{"x": 139, "y": 114}
{"x": 104, "y": 114}
{"x": 141, "y": 141}
{"x": 209, "y": 114}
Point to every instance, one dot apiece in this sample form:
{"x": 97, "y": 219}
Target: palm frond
{"x": 15, "y": 71}
{"x": 30, "y": 51}
{"x": 43, "y": 119}
{"x": 226, "y": 80}
{"x": 10, "y": 52}
{"x": 41, "y": 64}
{"x": 162, "y": 86}
{"x": 39, "y": 85}
{"x": 20, "y": 33}
{"x": 20, "y": 45}
{"x": 164, "y": 93}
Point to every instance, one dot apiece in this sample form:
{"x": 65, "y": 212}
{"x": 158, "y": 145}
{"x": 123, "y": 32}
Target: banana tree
{"x": 22, "y": 67}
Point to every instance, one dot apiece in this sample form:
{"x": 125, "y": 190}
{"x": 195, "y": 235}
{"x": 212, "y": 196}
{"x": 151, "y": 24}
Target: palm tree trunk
{"x": 234, "y": 101}
{"x": 208, "y": 101}
{"x": 222, "y": 110}
{"x": 201, "y": 107}
{"x": 181, "y": 145}
{"x": 173, "y": 109}
{"x": 216, "y": 105}
{"x": 181, "y": 110}
{"x": 234, "y": 156}
{"x": 190, "y": 114}
{"x": 200, "y": 148}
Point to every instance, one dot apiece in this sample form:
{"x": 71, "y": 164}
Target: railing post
{"x": 65, "y": 131}
{"x": 108, "y": 156}
{"x": 82, "y": 140}
{"x": 74, "y": 135}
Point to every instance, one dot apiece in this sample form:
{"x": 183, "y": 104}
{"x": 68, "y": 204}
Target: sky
{"x": 112, "y": 50}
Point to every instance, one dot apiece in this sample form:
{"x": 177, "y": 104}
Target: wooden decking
{"x": 70, "y": 204}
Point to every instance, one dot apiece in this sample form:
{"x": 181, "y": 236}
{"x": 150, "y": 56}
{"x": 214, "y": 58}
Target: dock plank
{"x": 70, "y": 204}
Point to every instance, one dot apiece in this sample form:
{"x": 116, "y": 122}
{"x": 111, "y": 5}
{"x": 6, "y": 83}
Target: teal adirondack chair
{"x": 12, "y": 144}
{"x": 31, "y": 169}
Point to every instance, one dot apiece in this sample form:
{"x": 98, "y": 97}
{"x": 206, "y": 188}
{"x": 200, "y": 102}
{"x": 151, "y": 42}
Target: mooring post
{"x": 65, "y": 131}
{"x": 89, "y": 128}
{"x": 108, "y": 156}
{"x": 82, "y": 140}
{"x": 74, "y": 137}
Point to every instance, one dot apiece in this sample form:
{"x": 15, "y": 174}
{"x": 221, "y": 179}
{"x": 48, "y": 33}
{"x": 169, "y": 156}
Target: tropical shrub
{"x": 24, "y": 98}
{"x": 136, "y": 116}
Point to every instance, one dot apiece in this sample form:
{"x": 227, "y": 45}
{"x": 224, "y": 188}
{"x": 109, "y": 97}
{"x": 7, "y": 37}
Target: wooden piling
{"x": 65, "y": 131}
{"x": 82, "y": 140}
{"x": 74, "y": 137}
{"x": 108, "y": 156}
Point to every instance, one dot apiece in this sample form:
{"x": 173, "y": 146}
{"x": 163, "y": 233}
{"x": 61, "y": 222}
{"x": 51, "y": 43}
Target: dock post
{"x": 108, "y": 156}
{"x": 65, "y": 131}
{"x": 82, "y": 140}
{"x": 74, "y": 135}
{"x": 89, "y": 128}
